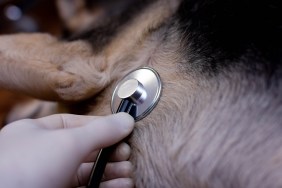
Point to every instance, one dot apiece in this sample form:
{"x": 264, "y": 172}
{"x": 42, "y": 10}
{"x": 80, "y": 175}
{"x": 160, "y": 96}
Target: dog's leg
{"x": 44, "y": 67}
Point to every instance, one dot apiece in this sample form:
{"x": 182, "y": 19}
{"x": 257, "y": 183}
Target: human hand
{"x": 54, "y": 151}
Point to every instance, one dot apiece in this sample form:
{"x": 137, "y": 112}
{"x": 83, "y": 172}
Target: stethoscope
{"x": 136, "y": 94}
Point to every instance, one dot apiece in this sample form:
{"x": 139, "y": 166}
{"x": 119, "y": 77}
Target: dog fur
{"x": 218, "y": 122}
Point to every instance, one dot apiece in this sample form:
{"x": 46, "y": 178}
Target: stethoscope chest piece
{"x": 137, "y": 93}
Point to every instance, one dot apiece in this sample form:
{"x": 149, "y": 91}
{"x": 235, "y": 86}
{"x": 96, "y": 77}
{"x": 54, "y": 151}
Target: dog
{"x": 218, "y": 121}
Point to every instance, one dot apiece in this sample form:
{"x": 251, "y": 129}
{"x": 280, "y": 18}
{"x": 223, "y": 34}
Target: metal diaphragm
{"x": 142, "y": 86}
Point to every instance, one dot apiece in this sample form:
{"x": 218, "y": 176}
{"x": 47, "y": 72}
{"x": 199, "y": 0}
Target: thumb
{"x": 102, "y": 132}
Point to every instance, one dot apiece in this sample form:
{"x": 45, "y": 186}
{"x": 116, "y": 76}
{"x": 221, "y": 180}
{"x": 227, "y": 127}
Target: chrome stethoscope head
{"x": 137, "y": 93}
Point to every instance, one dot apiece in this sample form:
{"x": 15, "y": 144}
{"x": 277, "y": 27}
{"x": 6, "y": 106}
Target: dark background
{"x": 29, "y": 16}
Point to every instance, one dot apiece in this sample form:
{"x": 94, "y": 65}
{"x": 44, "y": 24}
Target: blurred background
{"x": 29, "y": 16}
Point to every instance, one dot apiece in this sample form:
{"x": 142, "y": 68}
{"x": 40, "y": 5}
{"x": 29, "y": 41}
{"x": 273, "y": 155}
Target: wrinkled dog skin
{"x": 218, "y": 123}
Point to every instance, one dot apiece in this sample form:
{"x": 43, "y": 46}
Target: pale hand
{"x": 58, "y": 151}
